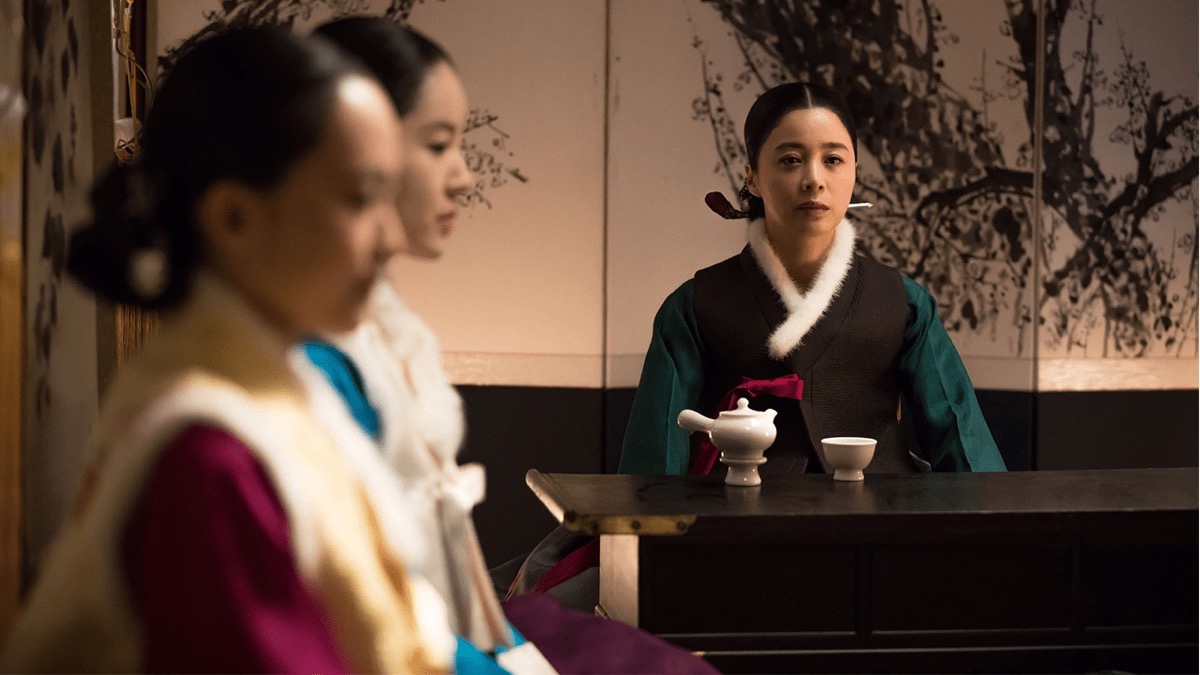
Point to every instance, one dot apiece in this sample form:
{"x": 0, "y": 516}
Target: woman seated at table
{"x": 800, "y": 321}
{"x": 232, "y": 517}
{"x": 389, "y": 372}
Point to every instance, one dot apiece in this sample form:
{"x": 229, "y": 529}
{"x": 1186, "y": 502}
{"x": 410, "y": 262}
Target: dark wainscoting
{"x": 514, "y": 429}
{"x": 564, "y": 430}
{"x": 1009, "y": 415}
{"x": 1117, "y": 429}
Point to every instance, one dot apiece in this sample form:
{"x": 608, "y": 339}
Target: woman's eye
{"x": 834, "y": 159}
{"x": 790, "y": 160}
{"x": 362, "y": 199}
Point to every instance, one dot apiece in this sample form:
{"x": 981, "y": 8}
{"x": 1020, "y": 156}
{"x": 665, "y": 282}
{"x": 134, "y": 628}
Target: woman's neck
{"x": 802, "y": 256}
{"x": 272, "y": 320}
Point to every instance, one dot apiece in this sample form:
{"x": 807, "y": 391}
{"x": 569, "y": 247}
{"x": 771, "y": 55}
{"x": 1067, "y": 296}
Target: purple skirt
{"x": 576, "y": 642}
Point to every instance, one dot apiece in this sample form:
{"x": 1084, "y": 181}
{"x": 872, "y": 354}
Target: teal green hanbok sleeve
{"x": 950, "y": 427}
{"x": 672, "y": 379}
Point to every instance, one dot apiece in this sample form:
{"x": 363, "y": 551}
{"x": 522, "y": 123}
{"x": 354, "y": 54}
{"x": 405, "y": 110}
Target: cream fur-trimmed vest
{"x": 218, "y": 363}
{"x": 422, "y": 423}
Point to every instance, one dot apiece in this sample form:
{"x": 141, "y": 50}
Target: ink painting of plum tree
{"x": 1073, "y": 224}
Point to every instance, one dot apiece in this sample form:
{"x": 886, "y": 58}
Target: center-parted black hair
{"x": 399, "y": 57}
{"x": 778, "y": 101}
{"x": 244, "y": 105}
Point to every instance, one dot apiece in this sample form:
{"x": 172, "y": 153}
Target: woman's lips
{"x": 446, "y": 221}
{"x": 813, "y": 206}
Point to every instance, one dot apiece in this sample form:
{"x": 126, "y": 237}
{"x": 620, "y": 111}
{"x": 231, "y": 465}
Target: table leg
{"x": 619, "y": 577}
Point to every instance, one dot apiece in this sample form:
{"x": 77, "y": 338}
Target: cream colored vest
{"x": 216, "y": 362}
{"x": 421, "y": 412}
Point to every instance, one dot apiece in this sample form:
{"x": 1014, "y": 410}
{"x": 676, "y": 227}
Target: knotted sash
{"x": 788, "y": 386}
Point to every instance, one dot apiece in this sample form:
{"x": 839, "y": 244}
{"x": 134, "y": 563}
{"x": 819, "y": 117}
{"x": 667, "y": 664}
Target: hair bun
{"x": 125, "y": 224}
{"x": 126, "y": 195}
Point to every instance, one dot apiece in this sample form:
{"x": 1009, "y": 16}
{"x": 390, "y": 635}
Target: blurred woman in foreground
{"x": 233, "y": 518}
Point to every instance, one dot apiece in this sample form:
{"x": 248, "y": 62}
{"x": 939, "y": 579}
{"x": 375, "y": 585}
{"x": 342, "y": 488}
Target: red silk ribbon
{"x": 788, "y": 386}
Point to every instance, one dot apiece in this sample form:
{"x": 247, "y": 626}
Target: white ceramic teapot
{"x": 741, "y": 434}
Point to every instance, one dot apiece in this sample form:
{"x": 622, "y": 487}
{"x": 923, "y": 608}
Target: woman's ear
{"x": 752, "y": 181}
{"x": 228, "y": 216}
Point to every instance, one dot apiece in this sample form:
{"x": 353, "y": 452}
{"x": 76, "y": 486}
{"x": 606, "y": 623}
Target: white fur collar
{"x": 402, "y": 369}
{"x": 804, "y": 309}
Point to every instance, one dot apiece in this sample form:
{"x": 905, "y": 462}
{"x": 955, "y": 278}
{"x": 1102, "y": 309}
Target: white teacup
{"x": 848, "y": 455}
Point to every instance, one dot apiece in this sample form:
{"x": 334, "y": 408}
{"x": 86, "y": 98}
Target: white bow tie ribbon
{"x": 464, "y": 485}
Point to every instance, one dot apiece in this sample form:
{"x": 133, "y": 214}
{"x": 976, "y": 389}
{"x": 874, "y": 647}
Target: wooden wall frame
{"x": 12, "y": 306}
{"x": 121, "y": 330}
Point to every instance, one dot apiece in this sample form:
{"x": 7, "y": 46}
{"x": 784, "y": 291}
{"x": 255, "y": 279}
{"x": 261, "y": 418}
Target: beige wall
{"x": 661, "y": 164}
{"x": 519, "y": 297}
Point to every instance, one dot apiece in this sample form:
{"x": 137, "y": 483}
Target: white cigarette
{"x": 860, "y": 205}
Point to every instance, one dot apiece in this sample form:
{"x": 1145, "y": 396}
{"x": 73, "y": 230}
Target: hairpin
{"x": 720, "y": 205}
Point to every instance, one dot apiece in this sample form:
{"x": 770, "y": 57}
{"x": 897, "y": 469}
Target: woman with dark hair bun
{"x": 233, "y": 517}
{"x": 390, "y": 373}
{"x": 413, "y": 413}
{"x": 799, "y": 321}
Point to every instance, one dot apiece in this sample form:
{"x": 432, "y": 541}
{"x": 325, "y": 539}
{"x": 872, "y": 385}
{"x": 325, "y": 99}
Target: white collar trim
{"x": 804, "y": 309}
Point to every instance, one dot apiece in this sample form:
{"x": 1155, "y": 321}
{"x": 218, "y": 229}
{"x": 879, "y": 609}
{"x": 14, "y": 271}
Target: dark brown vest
{"x": 848, "y": 360}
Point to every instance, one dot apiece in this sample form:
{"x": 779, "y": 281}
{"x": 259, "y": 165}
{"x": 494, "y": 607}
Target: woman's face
{"x": 435, "y": 172}
{"x": 805, "y": 174}
{"x": 322, "y": 235}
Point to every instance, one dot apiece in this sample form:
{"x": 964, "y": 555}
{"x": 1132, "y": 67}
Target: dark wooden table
{"x": 1050, "y": 571}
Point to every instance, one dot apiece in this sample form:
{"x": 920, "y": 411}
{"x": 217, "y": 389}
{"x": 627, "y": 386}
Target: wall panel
{"x": 68, "y": 84}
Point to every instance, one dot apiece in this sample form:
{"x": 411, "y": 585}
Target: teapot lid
{"x": 743, "y": 409}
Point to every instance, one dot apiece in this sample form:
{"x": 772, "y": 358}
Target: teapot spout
{"x": 694, "y": 421}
